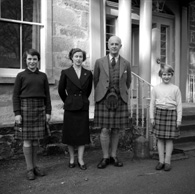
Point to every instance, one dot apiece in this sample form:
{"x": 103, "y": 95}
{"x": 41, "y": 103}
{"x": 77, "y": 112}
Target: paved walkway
{"x": 136, "y": 177}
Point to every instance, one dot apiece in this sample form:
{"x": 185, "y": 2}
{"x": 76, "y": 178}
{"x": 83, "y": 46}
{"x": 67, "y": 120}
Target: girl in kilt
{"x": 32, "y": 108}
{"x": 165, "y": 115}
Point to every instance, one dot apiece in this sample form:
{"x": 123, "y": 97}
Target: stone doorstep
{"x": 188, "y": 146}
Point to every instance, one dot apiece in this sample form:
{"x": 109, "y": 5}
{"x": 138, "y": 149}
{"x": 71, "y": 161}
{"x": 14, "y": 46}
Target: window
{"x": 22, "y": 27}
{"x": 163, "y": 44}
{"x": 110, "y": 30}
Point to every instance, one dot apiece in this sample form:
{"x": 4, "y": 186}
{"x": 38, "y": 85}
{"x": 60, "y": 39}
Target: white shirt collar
{"x": 116, "y": 58}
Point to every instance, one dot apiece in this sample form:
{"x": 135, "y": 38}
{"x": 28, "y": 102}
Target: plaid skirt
{"x": 33, "y": 125}
{"x": 104, "y": 118}
{"x": 166, "y": 124}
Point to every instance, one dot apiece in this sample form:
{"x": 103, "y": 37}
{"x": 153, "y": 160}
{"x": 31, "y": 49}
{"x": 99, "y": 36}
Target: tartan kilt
{"x": 33, "y": 114}
{"x": 104, "y": 118}
{"x": 166, "y": 124}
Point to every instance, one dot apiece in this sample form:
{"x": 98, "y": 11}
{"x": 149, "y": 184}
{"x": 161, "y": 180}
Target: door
{"x": 162, "y": 46}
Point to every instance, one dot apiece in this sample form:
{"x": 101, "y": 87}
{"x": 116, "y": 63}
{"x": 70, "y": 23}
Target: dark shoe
{"x": 103, "y": 163}
{"x": 167, "y": 167}
{"x": 38, "y": 171}
{"x": 115, "y": 162}
{"x": 30, "y": 175}
{"x": 71, "y": 165}
{"x": 159, "y": 166}
{"x": 82, "y": 167}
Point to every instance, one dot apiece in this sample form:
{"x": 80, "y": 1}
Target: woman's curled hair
{"x": 75, "y": 50}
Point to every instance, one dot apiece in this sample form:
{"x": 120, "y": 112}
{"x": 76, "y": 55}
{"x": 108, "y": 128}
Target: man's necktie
{"x": 113, "y": 62}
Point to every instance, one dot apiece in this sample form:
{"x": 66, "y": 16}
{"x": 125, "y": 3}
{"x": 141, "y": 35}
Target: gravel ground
{"x": 136, "y": 177}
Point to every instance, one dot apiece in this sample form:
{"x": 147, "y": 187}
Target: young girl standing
{"x": 32, "y": 108}
{"x": 165, "y": 115}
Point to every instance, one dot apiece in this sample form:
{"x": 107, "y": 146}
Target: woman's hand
{"x": 48, "y": 118}
{"x": 18, "y": 119}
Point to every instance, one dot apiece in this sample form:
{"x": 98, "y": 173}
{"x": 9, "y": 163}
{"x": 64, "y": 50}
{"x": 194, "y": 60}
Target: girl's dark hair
{"x": 75, "y": 50}
{"x": 166, "y": 68}
{"x": 32, "y": 52}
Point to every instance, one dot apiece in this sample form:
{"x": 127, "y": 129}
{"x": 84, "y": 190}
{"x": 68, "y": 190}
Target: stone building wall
{"x": 70, "y": 26}
{"x": 70, "y": 29}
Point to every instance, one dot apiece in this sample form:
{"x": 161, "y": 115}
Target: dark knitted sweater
{"x": 30, "y": 84}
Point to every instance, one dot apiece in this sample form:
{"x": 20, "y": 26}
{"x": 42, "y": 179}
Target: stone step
{"x": 188, "y": 146}
{"x": 186, "y": 117}
{"x": 185, "y": 139}
{"x": 187, "y": 132}
{"x": 187, "y": 128}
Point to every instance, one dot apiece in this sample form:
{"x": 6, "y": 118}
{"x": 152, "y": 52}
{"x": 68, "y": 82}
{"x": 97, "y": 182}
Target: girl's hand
{"x": 48, "y": 118}
{"x": 18, "y": 119}
{"x": 178, "y": 123}
{"x": 152, "y": 122}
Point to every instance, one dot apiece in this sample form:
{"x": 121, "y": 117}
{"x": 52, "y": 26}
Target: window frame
{"x": 7, "y": 75}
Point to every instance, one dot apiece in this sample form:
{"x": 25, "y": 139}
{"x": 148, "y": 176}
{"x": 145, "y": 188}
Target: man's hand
{"x": 152, "y": 122}
{"x": 18, "y": 119}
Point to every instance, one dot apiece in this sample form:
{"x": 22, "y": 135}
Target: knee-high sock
{"x": 34, "y": 153}
{"x": 105, "y": 142}
{"x": 114, "y": 141}
{"x": 169, "y": 150}
{"x": 161, "y": 150}
{"x": 28, "y": 157}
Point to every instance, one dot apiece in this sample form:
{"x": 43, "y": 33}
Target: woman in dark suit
{"x": 74, "y": 89}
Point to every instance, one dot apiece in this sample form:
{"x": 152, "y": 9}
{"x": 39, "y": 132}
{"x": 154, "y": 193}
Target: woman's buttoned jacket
{"x": 73, "y": 91}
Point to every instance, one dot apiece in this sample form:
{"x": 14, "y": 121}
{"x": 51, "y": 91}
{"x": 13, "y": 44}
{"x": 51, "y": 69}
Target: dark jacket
{"x": 74, "y": 92}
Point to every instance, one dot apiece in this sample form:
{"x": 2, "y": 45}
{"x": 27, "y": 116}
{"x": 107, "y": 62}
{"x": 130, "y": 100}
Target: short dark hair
{"x": 32, "y": 52}
{"x": 166, "y": 68}
{"x": 75, "y": 50}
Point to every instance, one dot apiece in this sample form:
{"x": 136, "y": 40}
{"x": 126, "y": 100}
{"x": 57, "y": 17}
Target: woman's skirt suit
{"x": 75, "y": 92}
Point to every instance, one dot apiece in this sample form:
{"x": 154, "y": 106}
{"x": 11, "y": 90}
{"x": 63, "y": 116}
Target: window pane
{"x": 163, "y": 37}
{"x": 163, "y": 52}
{"x": 30, "y": 39}
{"x": 163, "y": 59}
{"x": 9, "y": 45}
{"x": 11, "y": 9}
{"x": 31, "y": 10}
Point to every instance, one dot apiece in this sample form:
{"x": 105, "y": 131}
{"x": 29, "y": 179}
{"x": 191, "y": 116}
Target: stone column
{"x": 97, "y": 17}
{"x": 124, "y": 28}
{"x": 145, "y": 45}
{"x": 145, "y": 39}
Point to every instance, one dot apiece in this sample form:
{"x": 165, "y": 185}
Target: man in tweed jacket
{"x": 111, "y": 73}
